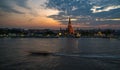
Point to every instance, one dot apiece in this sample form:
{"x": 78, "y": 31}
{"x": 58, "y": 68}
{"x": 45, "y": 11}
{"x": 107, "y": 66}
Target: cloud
{"x": 103, "y": 2}
{"x": 98, "y": 9}
{"x": 112, "y": 19}
{"x": 33, "y": 7}
{"x": 48, "y": 12}
{"x": 7, "y": 5}
{"x": 66, "y": 20}
{"x": 22, "y": 3}
{"x": 74, "y": 8}
{"x": 38, "y": 8}
{"x": 27, "y": 13}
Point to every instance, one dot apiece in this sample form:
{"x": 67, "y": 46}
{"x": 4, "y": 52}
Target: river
{"x": 70, "y": 54}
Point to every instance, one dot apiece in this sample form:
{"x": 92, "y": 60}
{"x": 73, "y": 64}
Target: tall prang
{"x": 70, "y": 28}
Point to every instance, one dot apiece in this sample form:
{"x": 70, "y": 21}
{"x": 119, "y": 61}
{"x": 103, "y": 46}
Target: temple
{"x": 69, "y": 32}
{"x": 70, "y": 28}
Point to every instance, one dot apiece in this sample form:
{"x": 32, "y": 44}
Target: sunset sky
{"x": 85, "y": 14}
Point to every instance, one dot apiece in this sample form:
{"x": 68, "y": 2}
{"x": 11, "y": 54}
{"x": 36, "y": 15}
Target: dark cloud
{"x": 9, "y": 10}
{"x": 6, "y": 5}
{"x": 82, "y": 8}
{"x": 22, "y": 3}
{"x": 67, "y": 6}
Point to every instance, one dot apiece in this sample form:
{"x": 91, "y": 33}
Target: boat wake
{"x": 75, "y": 55}
{"x": 90, "y": 55}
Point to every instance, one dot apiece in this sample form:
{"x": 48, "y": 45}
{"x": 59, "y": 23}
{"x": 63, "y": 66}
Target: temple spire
{"x": 70, "y": 28}
{"x": 69, "y": 20}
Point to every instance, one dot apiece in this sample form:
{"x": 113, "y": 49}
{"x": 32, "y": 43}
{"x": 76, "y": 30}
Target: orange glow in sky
{"x": 54, "y": 14}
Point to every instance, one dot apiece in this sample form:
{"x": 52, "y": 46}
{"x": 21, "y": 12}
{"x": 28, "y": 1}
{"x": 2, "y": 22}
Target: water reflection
{"x": 69, "y": 45}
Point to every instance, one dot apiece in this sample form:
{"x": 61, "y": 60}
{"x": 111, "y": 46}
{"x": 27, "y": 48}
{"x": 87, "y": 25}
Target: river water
{"x": 69, "y": 54}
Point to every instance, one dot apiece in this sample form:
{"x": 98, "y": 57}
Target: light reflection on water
{"x": 73, "y": 53}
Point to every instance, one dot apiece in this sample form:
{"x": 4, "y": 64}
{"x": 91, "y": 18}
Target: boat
{"x": 42, "y": 53}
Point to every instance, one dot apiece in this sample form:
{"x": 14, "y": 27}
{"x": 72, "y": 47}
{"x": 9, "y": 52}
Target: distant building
{"x": 70, "y": 28}
{"x": 69, "y": 32}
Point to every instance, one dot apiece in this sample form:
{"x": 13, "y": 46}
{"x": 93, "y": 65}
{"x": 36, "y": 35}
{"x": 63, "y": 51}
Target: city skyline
{"x": 53, "y": 14}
